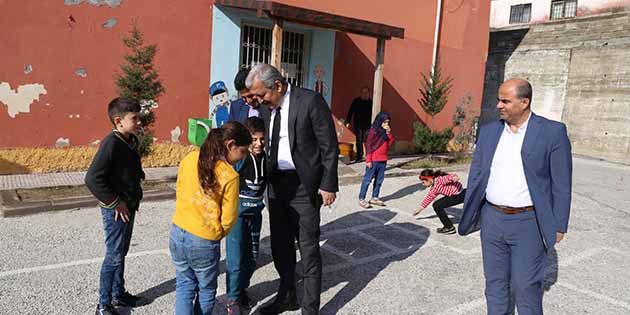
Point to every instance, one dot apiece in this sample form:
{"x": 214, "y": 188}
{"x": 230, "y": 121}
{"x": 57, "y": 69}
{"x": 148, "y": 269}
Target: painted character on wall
{"x": 320, "y": 86}
{"x": 219, "y": 103}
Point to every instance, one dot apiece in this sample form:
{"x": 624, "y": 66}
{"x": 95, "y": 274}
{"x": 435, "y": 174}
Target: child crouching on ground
{"x": 243, "y": 241}
{"x": 445, "y": 184}
{"x": 206, "y": 208}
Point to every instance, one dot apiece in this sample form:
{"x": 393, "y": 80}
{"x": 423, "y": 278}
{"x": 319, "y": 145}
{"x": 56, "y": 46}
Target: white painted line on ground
{"x": 595, "y": 295}
{"x": 77, "y": 263}
{"x": 334, "y": 250}
{"x": 465, "y": 308}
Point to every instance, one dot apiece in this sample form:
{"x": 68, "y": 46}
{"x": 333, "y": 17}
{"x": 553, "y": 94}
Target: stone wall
{"x": 580, "y": 72}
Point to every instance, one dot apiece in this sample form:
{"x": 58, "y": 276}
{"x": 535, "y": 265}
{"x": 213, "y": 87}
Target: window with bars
{"x": 256, "y": 48}
{"x": 563, "y": 9}
{"x": 521, "y": 13}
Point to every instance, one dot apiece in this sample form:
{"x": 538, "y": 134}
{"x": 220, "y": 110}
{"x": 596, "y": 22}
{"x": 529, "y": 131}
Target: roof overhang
{"x": 280, "y": 11}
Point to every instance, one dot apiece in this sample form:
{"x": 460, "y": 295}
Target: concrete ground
{"x": 378, "y": 261}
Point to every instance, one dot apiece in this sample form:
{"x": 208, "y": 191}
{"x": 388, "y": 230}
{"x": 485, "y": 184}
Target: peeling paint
{"x": 110, "y": 23}
{"x": 28, "y": 69}
{"x": 20, "y": 100}
{"x": 175, "y": 134}
{"x": 81, "y": 72}
{"x": 62, "y": 142}
{"x": 98, "y": 3}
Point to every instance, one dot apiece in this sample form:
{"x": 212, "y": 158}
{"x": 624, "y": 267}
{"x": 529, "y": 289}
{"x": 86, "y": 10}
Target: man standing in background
{"x": 361, "y": 111}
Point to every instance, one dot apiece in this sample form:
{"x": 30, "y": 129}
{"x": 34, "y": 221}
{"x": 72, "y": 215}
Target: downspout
{"x": 436, "y": 37}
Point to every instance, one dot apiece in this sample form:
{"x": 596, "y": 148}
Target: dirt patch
{"x": 56, "y": 193}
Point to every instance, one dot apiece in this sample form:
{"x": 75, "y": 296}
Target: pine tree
{"x": 141, "y": 81}
{"x": 434, "y": 92}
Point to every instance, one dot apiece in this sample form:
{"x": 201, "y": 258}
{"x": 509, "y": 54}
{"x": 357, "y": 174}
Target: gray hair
{"x": 266, "y": 73}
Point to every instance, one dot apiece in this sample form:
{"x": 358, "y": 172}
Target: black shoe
{"x": 106, "y": 310}
{"x": 128, "y": 300}
{"x": 281, "y": 304}
{"x": 446, "y": 230}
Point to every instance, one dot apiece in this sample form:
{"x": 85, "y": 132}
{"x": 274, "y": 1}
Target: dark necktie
{"x": 275, "y": 138}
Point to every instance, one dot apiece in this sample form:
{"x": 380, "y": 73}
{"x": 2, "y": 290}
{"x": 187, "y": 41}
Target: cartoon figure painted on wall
{"x": 219, "y": 102}
{"x": 320, "y": 86}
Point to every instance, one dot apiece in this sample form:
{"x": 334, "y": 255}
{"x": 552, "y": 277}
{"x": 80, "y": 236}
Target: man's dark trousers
{"x": 514, "y": 258}
{"x": 293, "y": 216}
{"x": 360, "y": 135}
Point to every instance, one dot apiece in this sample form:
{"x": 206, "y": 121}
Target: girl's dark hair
{"x": 213, "y": 150}
{"x": 432, "y": 173}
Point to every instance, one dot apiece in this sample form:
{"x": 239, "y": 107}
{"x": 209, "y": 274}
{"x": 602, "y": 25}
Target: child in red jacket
{"x": 445, "y": 184}
{"x": 379, "y": 139}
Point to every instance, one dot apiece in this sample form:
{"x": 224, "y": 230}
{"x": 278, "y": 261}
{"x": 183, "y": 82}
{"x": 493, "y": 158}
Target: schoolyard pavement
{"x": 377, "y": 261}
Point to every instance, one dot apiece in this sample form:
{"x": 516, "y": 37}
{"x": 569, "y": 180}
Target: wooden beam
{"x": 276, "y": 45}
{"x": 378, "y": 77}
{"x": 321, "y": 19}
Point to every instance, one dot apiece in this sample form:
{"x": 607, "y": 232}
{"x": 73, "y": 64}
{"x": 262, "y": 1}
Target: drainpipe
{"x": 436, "y": 37}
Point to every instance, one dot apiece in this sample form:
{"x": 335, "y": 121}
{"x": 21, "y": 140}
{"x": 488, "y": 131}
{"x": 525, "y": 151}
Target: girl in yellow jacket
{"x": 206, "y": 208}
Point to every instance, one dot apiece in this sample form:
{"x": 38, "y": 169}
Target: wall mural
{"x": 219, "y": 103}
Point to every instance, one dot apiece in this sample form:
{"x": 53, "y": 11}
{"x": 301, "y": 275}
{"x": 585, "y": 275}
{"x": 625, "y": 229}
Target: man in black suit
{"x": 302, "y": 162}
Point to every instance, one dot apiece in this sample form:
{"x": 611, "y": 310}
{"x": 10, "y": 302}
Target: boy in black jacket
{"x": 243, "y": 241}
{"x": 114, "y": 178}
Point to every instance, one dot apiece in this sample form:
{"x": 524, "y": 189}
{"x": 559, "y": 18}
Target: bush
{"x": 427, "y": 141}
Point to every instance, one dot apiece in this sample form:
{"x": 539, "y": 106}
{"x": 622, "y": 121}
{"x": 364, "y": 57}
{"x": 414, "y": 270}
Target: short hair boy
{"x": 114, "y": 179}
{"x": 243, "y": 241}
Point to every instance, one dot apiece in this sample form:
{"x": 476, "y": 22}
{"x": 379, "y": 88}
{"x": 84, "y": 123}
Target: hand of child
{"x": 121, "y": 212}
{"x": 455, "y": 178}
{"x": 417, "y": 211}
{"x": 368, "y": 164}
{"x": 388, "y": 129}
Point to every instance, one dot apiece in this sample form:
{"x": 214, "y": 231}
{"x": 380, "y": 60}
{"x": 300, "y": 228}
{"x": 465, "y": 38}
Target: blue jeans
{"x": 241, "y": 252}
{"x": 117, "y": 239}
{"x": 378, "y": 173}
{"x": 196, "y": 262}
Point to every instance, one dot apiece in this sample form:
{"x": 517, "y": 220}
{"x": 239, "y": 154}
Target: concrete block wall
{"x": 580, "y": 72}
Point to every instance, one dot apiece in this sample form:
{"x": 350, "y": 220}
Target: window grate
{"x": 563, "y": 9}
{"x": 520, "y": 13}
{"x": 256, "y": 48}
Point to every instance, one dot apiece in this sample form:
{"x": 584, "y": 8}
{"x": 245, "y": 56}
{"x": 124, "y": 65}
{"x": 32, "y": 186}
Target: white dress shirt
{"x": 507, "y": 185}
{"x": 285, "y": 160}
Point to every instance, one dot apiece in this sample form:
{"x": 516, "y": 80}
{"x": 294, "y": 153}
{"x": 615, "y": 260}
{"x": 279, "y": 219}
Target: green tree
{"x": 140, "y": 80}
{"x": 434, "y": 92}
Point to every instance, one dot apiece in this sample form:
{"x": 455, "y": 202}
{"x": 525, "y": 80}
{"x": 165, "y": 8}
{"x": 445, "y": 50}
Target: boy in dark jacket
{"x": 243, "y": 241}
{"x": 114, "y": 178}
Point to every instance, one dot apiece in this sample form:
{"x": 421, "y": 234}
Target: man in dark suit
{"x": 519, "y": 194}
{"x": 245, "y": 106}
{"x": 302, "y": 162}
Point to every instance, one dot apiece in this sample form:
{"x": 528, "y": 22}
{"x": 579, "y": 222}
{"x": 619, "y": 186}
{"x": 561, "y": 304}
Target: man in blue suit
{"x": 245, "y": 106}
{"x": 519, "y": 194}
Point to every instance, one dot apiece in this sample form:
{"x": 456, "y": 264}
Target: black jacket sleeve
{"x": 326, "y": 135}
{"x": 96, "y": 177}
